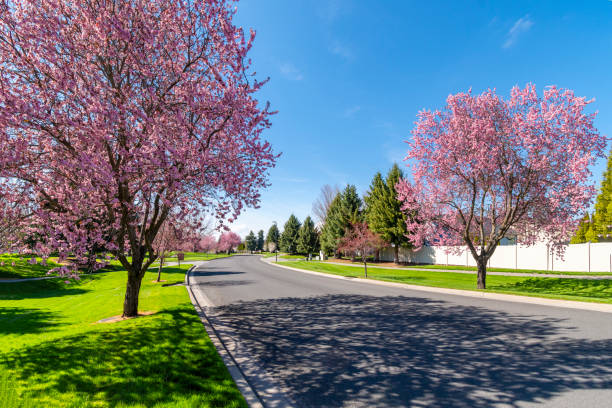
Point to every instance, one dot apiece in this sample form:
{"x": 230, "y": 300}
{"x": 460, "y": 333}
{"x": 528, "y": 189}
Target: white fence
{"x": 589, "y": 257}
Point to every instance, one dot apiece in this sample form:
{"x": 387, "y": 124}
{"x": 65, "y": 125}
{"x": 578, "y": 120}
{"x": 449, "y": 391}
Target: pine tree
{"x": 260, "y": 240}
{"x": 602, "y": 219}
{"x": 273, "y": 237}
{"x": 308, "y": 238}
{"x": 344, "y": 210}
{"x": 383, "y": 212}
{"x": 583, "y": 228}
{"x": 251, "y": 242}
{"x": 591, "y": 234}
{"x": 289, "y": 237}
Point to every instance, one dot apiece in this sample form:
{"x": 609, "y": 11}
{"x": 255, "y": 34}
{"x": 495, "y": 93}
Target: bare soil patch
{"x": 118, "y": 318}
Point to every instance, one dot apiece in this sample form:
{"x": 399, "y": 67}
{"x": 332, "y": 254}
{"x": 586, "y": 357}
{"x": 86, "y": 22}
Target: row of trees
{"x": 341, "y": 214}
{"x": 254, "y": 243}
{"x": 380, "y": 210}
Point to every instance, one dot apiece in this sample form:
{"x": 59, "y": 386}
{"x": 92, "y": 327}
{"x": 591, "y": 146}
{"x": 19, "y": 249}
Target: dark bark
{"x": 396, "y": 254}
{"x": 482, "y": 272}
{"x": 365, "y": 267}
{"x": 159, "y": 269}
{"x": 130, "y": 303}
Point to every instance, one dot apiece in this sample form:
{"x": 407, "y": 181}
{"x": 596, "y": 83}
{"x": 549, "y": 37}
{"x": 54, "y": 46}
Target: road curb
{"x": 245, "y": 388}
{"x": 570, "y": 304}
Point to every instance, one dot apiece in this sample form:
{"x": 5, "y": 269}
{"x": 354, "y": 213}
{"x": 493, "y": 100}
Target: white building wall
{"x": 594, "y": 257}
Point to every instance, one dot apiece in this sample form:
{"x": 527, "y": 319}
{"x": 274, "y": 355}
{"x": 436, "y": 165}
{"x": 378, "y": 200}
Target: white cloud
{"x": 341, "y": 50}
{"x": 291, "y": 72}
{"x": 348, "y": 112}
{"x": 330, "y": 10}
{"x": 521, "y": 26}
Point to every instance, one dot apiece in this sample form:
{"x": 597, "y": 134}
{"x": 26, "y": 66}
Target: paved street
{"x": 336, "y": 343}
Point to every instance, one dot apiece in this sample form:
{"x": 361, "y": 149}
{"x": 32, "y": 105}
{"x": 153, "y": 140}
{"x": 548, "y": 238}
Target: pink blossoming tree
{"x": 207, "y": 243}
{"x": 115, "y": 114}
{"x": 171, "y": 236}
{"x": 359, "y": 240}
{"x": 485, "y": 167}
{"x": 228, "y": 241}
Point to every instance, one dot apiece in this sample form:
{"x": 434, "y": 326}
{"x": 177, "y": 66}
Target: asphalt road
{"x": 335, "y": 343}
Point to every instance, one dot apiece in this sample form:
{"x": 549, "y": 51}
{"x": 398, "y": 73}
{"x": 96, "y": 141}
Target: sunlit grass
{"x": 18, "y": 267}
{"x": 54, "y": 354}
{"x": 473, "y": 269}
{"x": 589, "y": 290}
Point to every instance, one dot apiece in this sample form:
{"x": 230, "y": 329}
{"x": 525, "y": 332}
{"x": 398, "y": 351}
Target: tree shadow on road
{"x": 402, "y": 351}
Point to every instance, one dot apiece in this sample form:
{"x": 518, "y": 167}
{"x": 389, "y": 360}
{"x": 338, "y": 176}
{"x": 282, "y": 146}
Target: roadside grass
{"x": 587, "y": 290}
{"x": 53, "y": 354}
{"x": 282, "y": 255}
{"x": 189, "y": 256}
{"x": 473, "y": 269}
{"x": 287, "y": 256}
{"x": 22, "y": 268}
{"x": 195, "y": 256}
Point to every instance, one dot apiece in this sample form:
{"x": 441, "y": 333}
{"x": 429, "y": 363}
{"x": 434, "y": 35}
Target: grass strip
{"x": 473, "y": 269}
{"x": 586, "y": 290}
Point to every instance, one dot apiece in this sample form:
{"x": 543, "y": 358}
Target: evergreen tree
{"x": 273, "y": 237}
{"x": 289, "y": 237}
{"x": 251, "y": 242}
{"x": 602, "y": 219}
{"x": 344, "y": 211}
{"x": 308, "y": 238}
{"x": 591, "y": 234}
{"x": 583, "y": 228}
{"x": 383, "y": 213}
{"x": 260, "y": 240}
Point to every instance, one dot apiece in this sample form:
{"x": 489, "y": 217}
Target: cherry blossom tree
{"x": 169, "y": 238}
{"x": 228, "y": 241}
{"x": 13, "y": 214}
{"x": 359, "y": 240}
{"x": 485, "y": 167}
{"x": 207, "y": 243}
{"x": 115, "y": 114}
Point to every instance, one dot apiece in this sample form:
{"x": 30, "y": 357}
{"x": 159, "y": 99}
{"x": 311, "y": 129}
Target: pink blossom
{"x": 485, "y": 168}
{"x": 228, "y": 241}
{"x": 145, "y": 112}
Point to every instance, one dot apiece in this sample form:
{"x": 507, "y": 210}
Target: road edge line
{"x": 248, "y": 392}
{"x": 568, "y": 304}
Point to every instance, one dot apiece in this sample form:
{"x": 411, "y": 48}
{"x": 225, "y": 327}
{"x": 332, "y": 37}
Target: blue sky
{"x": 348, "y": 77}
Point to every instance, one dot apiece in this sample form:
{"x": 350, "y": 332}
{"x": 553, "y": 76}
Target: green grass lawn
{"x": 473, "y": 268}
{"x": 53, "y": 354}
{"x": 195, "y": 256}
{"x": 555, "y": 288}
{"x": 22, "y": 268}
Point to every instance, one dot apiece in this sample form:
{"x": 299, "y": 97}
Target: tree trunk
{"x": 482, "y": 272}
{"x": 365, "y": 267}
{"x": 396, "y": 254}
{"x": 130, "y": 303}
{"x": 159, "y": 269}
